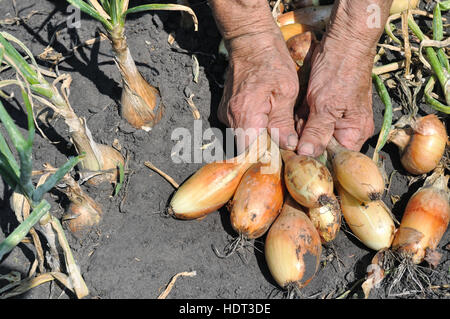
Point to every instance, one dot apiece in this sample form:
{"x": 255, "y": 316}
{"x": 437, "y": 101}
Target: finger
{"x": 281, "y": 124}
{"x": 247, "y": 122}
{"x": 353, "y": 137}
{"x": 316, "y": 134}
{"x": 281, "y": 128}
{"x": 350, "y": 138}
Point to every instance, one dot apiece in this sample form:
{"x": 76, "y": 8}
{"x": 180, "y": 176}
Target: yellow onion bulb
{"x": 258, "y": 200}
{"x": 423, "y": 146}
{"x": 213, "y": 185}
{"x": 356, "y": 173}
{"x": 308, "y": 181}
{"x": 82, "y": 215}
{"x": 424, "y": 221}
{"x": 327, "y": 220}
{"x": 370, "y": 222}
{"x": 292, "y": 247}
{"x": 290, "y": 30}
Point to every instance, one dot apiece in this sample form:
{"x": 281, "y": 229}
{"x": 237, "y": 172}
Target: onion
{"x": 141, "y": 103}
{"x": 424, "y": 221}
{"x": 316, "y": 17}
{"x": 356, "y": 172}
{"x": 258, "y": 200}
{"x": 371, "y": 223}
{"x": 290, "y": 30}
{"x": 98, "y": 157}
{"x": 292, "y": 247}
{"x": 213, "y": 185}
{"x": 301, "y": 48}
{"x": 327, "y": 220}
{"x": 308, "y": 181}
{"x": 83, "y": 212}
{"x": 402, "y": 5}
{"x": 421, "y": 142}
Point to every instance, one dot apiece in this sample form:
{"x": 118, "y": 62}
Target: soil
{"x": 135, "y": 250}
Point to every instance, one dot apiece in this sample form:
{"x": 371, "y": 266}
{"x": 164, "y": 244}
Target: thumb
{"x": 282, "y": 130}
{"x": 316, "y": 134}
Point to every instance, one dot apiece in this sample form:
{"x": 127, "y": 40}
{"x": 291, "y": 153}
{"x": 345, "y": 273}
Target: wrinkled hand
{"x": 261, "y": 87}
{"x": 339, "y": 99}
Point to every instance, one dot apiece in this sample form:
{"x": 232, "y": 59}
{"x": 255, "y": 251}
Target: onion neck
{"x": 287, "y": 155}
{"x": 255, "y": 151}
{"x": 400, "y": 137}
{"x": 334, "y": 147}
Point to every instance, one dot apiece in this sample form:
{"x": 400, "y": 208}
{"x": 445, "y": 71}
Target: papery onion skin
{"x": 327, "y": 220}
{"x": 371, "y": 223}
{"x": 424, "y": 222}
{"x": 111, "y": 159}
{"x": 308, "y": 181}
{"x": 83, "y": 214}
{"x": 426, "y": 146}
{"x": 292, "y": 247}
{"x": 141, "y": 103}
{"x": 257, "y": 201}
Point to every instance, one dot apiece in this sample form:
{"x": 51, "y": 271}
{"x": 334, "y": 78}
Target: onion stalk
{"x": 292, "y": 247}
{"x": 141, "y": 103}
{"x": 97, "y": 157}
{"x": 19, "y": 177}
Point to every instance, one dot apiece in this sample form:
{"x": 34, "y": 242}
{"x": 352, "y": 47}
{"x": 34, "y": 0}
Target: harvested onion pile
{"x": 299, "y": 220}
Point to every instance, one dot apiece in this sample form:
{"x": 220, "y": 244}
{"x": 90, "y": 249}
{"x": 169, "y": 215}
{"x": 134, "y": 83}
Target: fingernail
{"x": 306, "y": 149}
{"x": 292, "y": 141}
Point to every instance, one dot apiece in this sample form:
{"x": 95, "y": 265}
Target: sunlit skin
{"x": 262, "y": 84}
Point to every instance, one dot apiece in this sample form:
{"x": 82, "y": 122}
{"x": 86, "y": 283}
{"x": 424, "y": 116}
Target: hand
{"x": 261, "y": 87}
{"x": 339, "y": 100}
{"x": 339, "y": 97}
